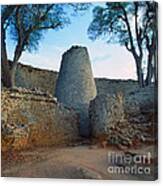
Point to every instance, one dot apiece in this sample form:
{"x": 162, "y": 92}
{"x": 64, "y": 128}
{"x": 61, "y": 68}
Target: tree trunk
{"x": 155, "y": 68}
{"x": 17, "y": 54}
{"x": 139, "y": 72}
{"x": 13, "y": 74}
{"x": 149, "y": 76}
{"x": 6, "y": 76}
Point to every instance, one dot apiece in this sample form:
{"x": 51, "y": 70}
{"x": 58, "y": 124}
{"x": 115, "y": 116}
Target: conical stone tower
{"x": 75, "y": 86}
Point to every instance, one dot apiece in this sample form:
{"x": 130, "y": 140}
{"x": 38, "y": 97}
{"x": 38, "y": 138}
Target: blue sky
{"x": 111, "y": 61}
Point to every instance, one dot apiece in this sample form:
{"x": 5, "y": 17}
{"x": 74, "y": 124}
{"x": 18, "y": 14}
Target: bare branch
{"x": 127, "y": 47}
{"x": 129, "y": 30}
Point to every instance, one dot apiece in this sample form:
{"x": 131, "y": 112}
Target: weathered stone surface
{"x": 138, "y": 104}
{"x": 31, "y": 118}
{"x": 114, "y": 86}
{"x": 141, "y": 112}
{"x": 88, "y": 173}
{"x": 45, "y": 80}
{"x": 34, "y": 78}
{"x": 105, "y": 112}
{"x": 75, "y": 86}
{"x": 126, "y": 120}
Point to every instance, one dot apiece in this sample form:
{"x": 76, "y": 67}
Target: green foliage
{"x": 28, "y": 23}
{"x": 110, "y": 22}
{"x": 130, "y": 24}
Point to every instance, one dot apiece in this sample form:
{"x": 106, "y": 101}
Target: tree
{"x": 123, "y": 23}
{"x": 151, "y": 40}
{"x": 5, "y": 18}
{"x": 27, "y": 24}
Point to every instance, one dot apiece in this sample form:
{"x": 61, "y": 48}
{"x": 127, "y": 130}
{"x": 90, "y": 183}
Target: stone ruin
{"x": 75, "y": 86}
{"x": 32, "y": 118}
{"x": 118, "y": 117}
{"x": 121, "y": 119}
{"x": 125, "y": 120}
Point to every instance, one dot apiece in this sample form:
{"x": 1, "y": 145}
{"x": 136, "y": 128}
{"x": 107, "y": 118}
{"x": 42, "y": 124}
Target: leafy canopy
{"x": 115, "y": 21}
{"x": 28, "y": 23}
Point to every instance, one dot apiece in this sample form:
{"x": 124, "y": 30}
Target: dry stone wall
{"x": 32, "y": 119}
{"x": 34, "y": 78}
{"x": 25, "y": 112}
{"x": 114, "y": 86}
{"x": 125, "y": 120}
{"x": 75, "y": 85}
{"x": 45, "y": 80}
{"x": 105, "y": 111}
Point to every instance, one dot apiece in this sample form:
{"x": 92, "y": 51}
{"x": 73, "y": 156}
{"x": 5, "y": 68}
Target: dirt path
{"x": 68, "y": 162}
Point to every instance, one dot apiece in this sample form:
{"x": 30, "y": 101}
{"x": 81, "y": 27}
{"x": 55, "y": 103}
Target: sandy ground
{"x": 84, "y": 161}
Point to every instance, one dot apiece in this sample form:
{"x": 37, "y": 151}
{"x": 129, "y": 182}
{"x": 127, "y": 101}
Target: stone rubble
{"x": 33, "y": 118}
{"x": 121, "y": 120}
{"x": 125, "y": 121}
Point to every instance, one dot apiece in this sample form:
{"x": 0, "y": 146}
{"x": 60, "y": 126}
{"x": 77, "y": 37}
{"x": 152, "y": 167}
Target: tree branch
{"x": 127, "y": 47}
{"x": 138, "y": 36}
{"x": 49, "y": 27}
{"x": 129, "y": 30}
{"x": 19, "y": 45}
{"x": 7, "y": 13}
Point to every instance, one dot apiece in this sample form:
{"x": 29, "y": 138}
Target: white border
{"x": 40, "y": 182}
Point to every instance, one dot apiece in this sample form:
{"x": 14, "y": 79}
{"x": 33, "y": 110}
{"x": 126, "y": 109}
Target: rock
{"x": 88, "y": 174}
{"x": 75, "y": 86}
{"x": 30, "y": 120}
{"x": 105, "y": 112}
{"x": 113, "y": 86}
{"x": 140, "y": 106}
{"x": 14, "y": 136}
{"x": 124, "y": 120}
{"x": 122, "y": 147}
{"x": 93, "y": 147}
